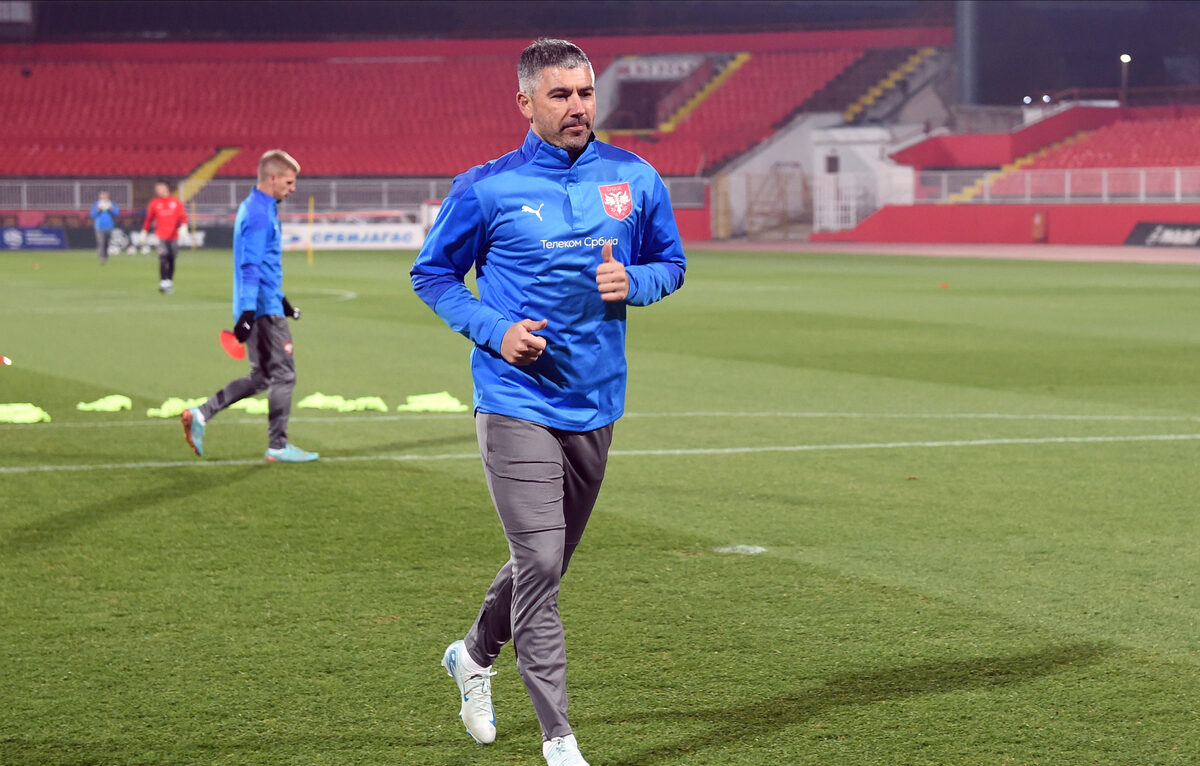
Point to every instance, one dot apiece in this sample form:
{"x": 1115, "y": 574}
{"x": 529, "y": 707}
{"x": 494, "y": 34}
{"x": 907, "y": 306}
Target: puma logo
{"x": 538, "y": 212}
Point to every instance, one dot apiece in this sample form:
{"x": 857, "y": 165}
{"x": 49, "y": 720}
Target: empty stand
{"x": 1132, "y": 144}
{"x": 746, "y": 109}
{"x": 375, "y": 115}
{"x": 99, "y": 159}
{"x": 854, "y": 79}
{"x": 338, "y": 117}
{"x": 1149, "y": 151}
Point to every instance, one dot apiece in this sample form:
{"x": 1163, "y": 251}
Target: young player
{"x": 104, "y": 216}
{"x": 169, "y": 217}
{"x": 259, "y": 309}
{"x": 563, "y": 234}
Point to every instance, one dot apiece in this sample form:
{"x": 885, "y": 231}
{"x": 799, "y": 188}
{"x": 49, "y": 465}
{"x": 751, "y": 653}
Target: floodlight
{"x": 1125, "y": 59}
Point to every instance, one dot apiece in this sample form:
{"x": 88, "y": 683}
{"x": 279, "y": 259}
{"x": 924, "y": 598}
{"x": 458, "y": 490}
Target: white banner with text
{"x": 353, "y": 236}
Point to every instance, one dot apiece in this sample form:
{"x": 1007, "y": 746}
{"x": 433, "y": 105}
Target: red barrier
{"x": 695, "y": 224}
{"x": 1010, "y": 224}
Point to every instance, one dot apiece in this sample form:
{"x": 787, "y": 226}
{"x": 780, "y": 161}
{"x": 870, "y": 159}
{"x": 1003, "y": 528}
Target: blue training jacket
{"x": 532, "y": 225}
{"x": 257, "y": 257}
{"x": 104, "y": 220}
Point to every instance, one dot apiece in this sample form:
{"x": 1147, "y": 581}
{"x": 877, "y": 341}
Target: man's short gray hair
{"x": 545, "y": 53}
{"x": 275, "y": 162}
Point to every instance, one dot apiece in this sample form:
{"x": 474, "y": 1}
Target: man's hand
{"x": 520, "y": 346}
{"x": 611, "y": 278}
{"x": 243, "y": 326}
{"x": 289, "y": 310}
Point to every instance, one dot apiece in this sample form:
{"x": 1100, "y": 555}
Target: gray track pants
{"x": 544, "y": 483}
{"x": 269, "y": 349}
{"x": 103, "y": 238}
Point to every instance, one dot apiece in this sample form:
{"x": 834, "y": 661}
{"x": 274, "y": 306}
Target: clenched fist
{"x": 520, "y": 346}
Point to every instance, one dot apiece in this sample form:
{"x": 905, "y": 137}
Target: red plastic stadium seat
{"x": 1132, "y": 143}
{"x": 383, "y": 116}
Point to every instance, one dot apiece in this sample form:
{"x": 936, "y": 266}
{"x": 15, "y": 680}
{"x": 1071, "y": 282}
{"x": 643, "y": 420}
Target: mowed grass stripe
{"x": 636, "y": 452}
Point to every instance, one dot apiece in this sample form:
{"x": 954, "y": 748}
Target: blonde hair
{"x": 274, "y": 162}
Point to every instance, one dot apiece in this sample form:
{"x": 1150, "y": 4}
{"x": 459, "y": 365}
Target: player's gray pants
{"x": 544, "y": 483}
{"x": 103, "y": 238}
{"x": 168, "y": 249}
{"x": 269, "y": 349}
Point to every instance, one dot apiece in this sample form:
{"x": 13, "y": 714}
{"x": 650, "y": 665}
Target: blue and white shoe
{"x": 477, "y": 713}
{"x": 193, "y": 429}
{"x": 290, "y": 454}
{"x": 562, "y": 751}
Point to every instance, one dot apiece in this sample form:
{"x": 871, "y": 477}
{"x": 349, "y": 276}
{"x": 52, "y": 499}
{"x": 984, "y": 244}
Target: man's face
{"x": 104, "y": 196}
{"x": 562, "y": 107}
{"x": 162, "y": 190}
{"x": 280, "y": 185}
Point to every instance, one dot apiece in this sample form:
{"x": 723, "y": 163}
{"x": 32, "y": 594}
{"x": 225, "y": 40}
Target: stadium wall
{"x": 695, "y": 225}
{"x": 1010, "y": 224}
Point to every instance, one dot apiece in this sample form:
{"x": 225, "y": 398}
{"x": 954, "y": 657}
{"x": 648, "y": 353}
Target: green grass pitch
{"x": 978, "y": 504}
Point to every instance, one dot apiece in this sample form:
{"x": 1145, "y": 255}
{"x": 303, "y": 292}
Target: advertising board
{"x": 1164, "y": 235}
{"x": 353, "y": 236}
{"x": 36, "y": 238}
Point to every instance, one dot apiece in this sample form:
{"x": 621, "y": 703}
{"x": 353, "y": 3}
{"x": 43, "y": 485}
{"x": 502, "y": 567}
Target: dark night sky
{"x": 1032, "y": 47}
{"x": 1024, "y": 46}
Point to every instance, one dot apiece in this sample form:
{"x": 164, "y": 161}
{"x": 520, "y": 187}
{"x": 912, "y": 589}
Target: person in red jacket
{"x": 169, "y": 217}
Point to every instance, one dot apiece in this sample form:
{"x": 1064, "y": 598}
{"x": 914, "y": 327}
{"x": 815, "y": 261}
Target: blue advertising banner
{"x": 33, "y": 239}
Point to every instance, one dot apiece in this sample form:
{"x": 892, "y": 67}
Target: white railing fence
{"x": 63, "y": 195}
{"x": 839, "y": 200}
{"x": 843, "y": 200}
{"x": 1060, "y": 186}
{"x": 329, "y": 195}
{"x": 221, "y": 197}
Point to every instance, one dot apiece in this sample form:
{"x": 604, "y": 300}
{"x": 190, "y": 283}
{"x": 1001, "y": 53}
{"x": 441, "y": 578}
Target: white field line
{"x": 917, "y": 416}
{"x": 334, "y": 296}
{"x": 383, "y": 418}
{"x": 121, "y": 309}
{"x": 629, "y": 453}
{"x": 243, "y": 421}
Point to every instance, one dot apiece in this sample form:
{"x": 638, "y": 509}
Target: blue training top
{"x": 257, "y": 257}
{"x": 104, "y": 220}
{"x": 532, "y": 224}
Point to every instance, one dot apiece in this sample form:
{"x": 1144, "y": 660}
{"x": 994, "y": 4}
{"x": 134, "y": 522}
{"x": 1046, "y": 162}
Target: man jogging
{"x": 104, "y": 217}
{"x": 169, "y": 217}
{"x": 563, "y": 234}
{"x": 259, "y": 308}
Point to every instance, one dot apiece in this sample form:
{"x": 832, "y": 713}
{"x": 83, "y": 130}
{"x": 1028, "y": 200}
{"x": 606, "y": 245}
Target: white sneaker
{"x": 563, "y": 751}
{"x": 477, "y": 713}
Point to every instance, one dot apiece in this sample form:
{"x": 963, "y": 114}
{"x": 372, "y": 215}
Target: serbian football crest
{"x": 617, "y": 202}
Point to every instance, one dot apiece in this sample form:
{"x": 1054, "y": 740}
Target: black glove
{"x": 241, "y": 328}
{"x": 289, "y": 310}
